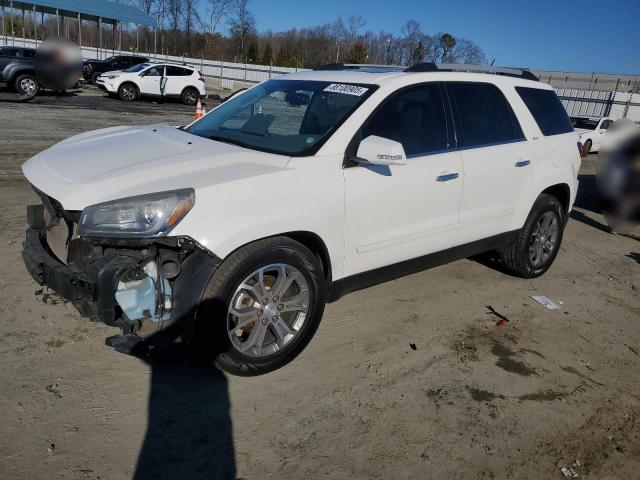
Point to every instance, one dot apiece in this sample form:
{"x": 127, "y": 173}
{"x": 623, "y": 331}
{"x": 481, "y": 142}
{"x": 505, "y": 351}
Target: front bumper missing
{"x": 97, "y": 269}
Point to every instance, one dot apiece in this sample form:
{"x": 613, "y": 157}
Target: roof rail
{"x": 455, "y": 67}
{"x": 359, "y": 66}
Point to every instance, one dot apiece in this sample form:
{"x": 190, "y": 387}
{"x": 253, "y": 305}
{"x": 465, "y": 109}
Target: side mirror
{"x": 142, "y": 74}
{"x": 381, "y": 151}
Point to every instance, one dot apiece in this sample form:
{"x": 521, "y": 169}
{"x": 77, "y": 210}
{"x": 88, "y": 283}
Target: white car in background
{"x": 591, "y": 131}
{"x": 155, "y": 80}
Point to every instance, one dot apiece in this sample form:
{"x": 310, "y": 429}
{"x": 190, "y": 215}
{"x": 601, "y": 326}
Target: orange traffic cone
{"x": 204, "y": 111}
{"x": 198, "y": 110}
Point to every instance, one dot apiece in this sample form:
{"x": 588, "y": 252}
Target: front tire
{"x": 587, "y": 147}
{"x": 262, "y": 306}
{"x": 128, "y": 92}
{"x": 26, "y": 86}
{"x": 538, "y": 243}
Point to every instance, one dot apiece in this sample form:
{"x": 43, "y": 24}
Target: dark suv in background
{"x": 92, "y": 69}
{"x": 17, "y": 70}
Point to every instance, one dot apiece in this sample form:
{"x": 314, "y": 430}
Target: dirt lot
{"x": 472, "y": 400}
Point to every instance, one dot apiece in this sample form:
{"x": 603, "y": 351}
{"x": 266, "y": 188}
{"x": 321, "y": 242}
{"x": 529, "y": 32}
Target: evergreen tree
{"x": 252, "y": 53}
{"x": 417, "y": 55}
{"x": 267, "y": 55}
{"x": 357, "y": 54}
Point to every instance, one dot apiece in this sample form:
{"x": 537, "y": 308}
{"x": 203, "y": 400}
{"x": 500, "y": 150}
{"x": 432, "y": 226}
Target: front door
{"x": 398, "y": 212}
{"x": 150, "y": 80}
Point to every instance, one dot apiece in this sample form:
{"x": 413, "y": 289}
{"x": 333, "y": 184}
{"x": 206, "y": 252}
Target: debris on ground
{"x": 502, "y": 319}
{"x": 569, "y": 472}
{"x": 49, "y": 297}
{"x": 53, "y": 388}
{"x": 51, "y": 448}
{"x": 542, "y": 300}
{"x": 413, "y": 346}
{"x": 584, "y": 362}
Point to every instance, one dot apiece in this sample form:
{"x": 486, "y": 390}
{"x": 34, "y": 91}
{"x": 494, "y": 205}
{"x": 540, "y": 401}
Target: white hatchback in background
{"x": 155, "y": 80}
{"x": 231, "y": 233}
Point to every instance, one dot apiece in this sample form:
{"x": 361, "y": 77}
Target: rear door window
{"x": 177, "y": 71}
{"x": 414, "y": 117}
{"x": 483, "y": 115}
{"x": 9, "y": 52}
{"x": 547, "y": 110}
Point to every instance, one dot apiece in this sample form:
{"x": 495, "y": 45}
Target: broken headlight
{"x": 148, "y": 215}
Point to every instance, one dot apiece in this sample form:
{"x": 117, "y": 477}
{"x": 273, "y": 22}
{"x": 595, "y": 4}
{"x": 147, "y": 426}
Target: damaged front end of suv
{"x": 116, "y": 264}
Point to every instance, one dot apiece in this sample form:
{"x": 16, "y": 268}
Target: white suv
{"x": 155, "y": 80}
{"x": 234, "y": 231}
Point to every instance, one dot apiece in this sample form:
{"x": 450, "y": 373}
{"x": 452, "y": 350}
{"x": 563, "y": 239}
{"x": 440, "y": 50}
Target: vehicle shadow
{"x": 189, "y": 430}
{"x": 587, "y": 198}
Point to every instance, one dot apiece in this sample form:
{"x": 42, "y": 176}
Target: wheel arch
{"x": 309, "y": 239}
{"x": 128, "y": 82}
{"x": 562, "y": 192}
{"x": 16, "y": 72}
{"x": 190, "y": 87}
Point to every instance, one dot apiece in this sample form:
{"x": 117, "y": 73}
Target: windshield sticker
{"x": 347, "y": 89}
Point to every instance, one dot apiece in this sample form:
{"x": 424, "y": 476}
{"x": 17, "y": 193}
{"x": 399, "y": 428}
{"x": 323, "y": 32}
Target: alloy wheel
{"x": 128, "y": 92}
{"x": 544, "y": 239}
{"x": 267, "y": 310}
{"x": 190, "y": 97}
{"x": 27, "y": 85}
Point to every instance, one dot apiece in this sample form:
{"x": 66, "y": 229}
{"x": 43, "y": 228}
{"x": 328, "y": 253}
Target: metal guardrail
{"x": 230, "y": 71}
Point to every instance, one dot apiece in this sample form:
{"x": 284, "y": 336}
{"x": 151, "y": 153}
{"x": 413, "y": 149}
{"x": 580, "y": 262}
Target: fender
{"x": 14, "y": 69}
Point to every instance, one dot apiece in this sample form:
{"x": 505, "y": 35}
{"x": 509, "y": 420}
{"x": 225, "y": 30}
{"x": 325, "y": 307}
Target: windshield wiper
{"x": 229, "y": 140}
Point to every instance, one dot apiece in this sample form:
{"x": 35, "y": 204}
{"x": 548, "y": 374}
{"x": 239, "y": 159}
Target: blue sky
{"x": 585, "y": 35}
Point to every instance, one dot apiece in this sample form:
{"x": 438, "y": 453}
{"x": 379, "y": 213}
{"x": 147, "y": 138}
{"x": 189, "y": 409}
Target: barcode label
{"x": 346, "y": 89}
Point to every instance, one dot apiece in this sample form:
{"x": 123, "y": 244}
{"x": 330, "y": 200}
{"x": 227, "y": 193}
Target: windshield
{"x": 288, "y": 117}
{"x": 584, "y": 123}
{"x": 137, "y": 68}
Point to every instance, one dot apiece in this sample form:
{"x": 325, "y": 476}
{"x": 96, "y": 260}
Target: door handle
{"x": 522, "y": 163}
{"x": 445, "y": 177}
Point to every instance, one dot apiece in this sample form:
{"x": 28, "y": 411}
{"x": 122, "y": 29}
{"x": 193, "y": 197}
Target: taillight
{"x": 581, "y": 150}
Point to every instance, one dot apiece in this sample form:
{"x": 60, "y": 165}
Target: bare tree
{"x": 218, "y": 9}
{"x": 241, "y": 24}
{"x": 468, "y": 52}
{"x": 354, "y": 24}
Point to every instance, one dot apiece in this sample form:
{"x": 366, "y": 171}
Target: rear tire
{"x": 587, "y": 147}
{"x": 94, "y": 77}
{"x": 231, "y": 340}
{"x": 190, "y": 96}
{"x": 535, "y": 249}
{"x": 128, "y": 92}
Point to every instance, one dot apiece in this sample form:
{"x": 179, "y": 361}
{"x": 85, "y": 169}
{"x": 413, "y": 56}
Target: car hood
{"x": 580, "y": 131}
{"x": 119, "y": 162}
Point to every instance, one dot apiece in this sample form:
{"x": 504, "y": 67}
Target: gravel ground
{"x": 409, "y": 379}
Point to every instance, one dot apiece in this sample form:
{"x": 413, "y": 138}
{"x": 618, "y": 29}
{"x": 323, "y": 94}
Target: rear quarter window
{"x": 547, "y": 110}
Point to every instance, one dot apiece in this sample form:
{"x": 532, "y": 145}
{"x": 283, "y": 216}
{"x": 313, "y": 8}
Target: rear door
{"x": 496, "y": 160}
{"x": 177, "y": 78}
{"x": 399, "y": 212}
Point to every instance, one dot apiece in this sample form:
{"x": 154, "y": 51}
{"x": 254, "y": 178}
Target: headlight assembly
{"x": 148, "y": 215}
